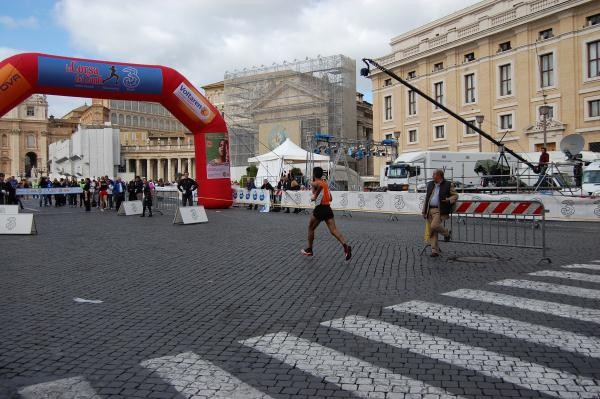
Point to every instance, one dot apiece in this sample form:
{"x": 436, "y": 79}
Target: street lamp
{"x": 544, "y": 111}
{"x": 479, "y": 120}
{"x": 397, "y": 137}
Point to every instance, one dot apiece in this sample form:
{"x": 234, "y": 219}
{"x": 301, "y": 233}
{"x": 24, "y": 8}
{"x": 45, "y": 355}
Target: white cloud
{"x": 203, "y": 40}
{"x": 14, "y": 23}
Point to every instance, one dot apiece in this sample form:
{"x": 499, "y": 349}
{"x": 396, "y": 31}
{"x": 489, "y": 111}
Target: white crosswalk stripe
{"x": 361, "y": 378}
{"x": 551, "y": 288}
{"x": 510, "y": 369}
{"x": 582, "y": 266}
{"x": 553, "y": 308}
{"x": 535, "y": 333}
{"x": 66, "y": 388}
{"x": 592, "y": 278}
{"x": 191, "y": 375}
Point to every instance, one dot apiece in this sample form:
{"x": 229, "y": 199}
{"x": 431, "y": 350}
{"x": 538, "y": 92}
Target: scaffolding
{"x": 316, "y": 95}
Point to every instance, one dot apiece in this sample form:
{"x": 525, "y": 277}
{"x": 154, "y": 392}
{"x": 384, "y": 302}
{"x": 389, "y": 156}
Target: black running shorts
{"x": 323, "y": 212}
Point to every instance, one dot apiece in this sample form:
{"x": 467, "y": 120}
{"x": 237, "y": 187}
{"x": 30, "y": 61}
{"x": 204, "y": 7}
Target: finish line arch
{"x": 29, "y": 73}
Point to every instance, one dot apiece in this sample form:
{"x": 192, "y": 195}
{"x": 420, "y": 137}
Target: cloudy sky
{"x": 203, "y": 39}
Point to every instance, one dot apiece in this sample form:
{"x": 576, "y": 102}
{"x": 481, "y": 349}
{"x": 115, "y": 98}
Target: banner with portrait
{"x": 217, "y": 155}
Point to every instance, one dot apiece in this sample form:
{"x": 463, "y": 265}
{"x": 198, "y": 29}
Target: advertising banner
{"x": 80, "y": 74}
{"x": 272, "y": 135}
{"x": 191, "y": 102}
{"x": 12, "y": 84}
{"x": 254, "y": 197}
{"x": 217, "y": 155}
{"x": 49, "y": 191}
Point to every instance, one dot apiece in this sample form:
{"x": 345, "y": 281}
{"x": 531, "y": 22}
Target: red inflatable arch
{"x": 25, "y": 74}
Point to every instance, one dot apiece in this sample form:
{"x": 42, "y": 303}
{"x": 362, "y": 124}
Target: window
{"x": 438, "y": 67}
{"x": 30, "y": 110}
{"x": 504, "y": 47}
{"x": 469, "y": 130}
{"x": 161, "y": 124}
{"x": 128, "y": 120}
{"x": 4, "y": 140}
{"x": 412, "y": 103}
{"x": 387, "y": 102}
{"x": 127, "y": 105}
{"x": 546, "y": 70}
{"x": 469, "y": 57}
{"x": 388, "y": 136}
{"x": 154, "y": 123}
{"x": 412, "y": 74}
{"x": 30, "y": 141}
{"x": 594, "y": 108}
{"x": 546, "y": 34}
{"x": 135, "y": 121}
{"x": 593, "y": 58}
{"x": 113, "y": 118}
{"x": 470, "y": 88}
{"x": 593, "y": 19}
{"x": 439, "y": 132}
{"x": 412, "y": 136}
{"x": 142, "y": 121}
{"x": 439, "y": 93}
{"x": 121, "y": 119}
{"x": 549, "y": 115}
{"x": 387, "y": 82}
{"x": 505, "y": 80}
{"x": 506, "y": 122}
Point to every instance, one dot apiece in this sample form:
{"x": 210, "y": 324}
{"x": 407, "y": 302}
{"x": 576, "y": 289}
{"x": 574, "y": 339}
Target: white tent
{"x": 282, "y": 159}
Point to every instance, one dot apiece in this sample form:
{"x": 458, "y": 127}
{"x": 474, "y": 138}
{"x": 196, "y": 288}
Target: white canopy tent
{"x": 282, "y": 159}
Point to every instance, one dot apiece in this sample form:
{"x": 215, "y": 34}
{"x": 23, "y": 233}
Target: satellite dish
{"x": 572, "y": 144}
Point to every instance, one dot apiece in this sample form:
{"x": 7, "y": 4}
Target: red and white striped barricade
{"x": 502, "y": 223}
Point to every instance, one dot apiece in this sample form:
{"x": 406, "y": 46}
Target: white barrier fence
{"x": 49, "y": 191}
{"x": 401, "y": 202}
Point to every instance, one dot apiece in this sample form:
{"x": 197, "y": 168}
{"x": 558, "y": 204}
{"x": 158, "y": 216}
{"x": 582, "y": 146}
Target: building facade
{"x": 154, "y": 144}
{"x": 25, "y": 134}
{"x": 503, "y": 60}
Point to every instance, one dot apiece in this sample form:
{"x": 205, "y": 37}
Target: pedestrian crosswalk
{"x": 373, "y": 357}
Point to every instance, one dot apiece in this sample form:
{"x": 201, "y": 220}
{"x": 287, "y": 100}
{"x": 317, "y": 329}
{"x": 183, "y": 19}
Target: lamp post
{"x": 544, "y": 110}
{"x": 397, "y": 137}
{"x": 479, "y": 120}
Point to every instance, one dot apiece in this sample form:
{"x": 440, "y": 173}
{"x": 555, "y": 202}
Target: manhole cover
{"x": 475, "y": 259}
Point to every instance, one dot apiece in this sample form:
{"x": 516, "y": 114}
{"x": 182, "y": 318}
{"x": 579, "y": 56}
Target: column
{"x": 192, "y": 169}
{"x": 149, "y": 168}
{"x": 189, "y": 166}
{"x": 169, "y": 170}
{"x": 125, "y": 161}
{"x": 138, "y": 167}
{"x": 177, "y": 166}
{"x": 15, "y": 154}
{"x": 159, "y": 167}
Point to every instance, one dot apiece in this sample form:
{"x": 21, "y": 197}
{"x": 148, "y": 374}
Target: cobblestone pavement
{"x": 230, "y": 309}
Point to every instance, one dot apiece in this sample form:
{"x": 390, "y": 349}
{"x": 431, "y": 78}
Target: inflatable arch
{"x": 25, "y": 74}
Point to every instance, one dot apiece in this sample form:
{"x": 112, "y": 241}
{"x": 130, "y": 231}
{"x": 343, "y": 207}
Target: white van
{"x": 590, "y": 184}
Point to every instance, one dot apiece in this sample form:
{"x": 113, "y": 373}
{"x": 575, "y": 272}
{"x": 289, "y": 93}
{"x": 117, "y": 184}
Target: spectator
{"x": 138, "y": 188}
{"x": 119, "y": 189}
{"x": 103, "y": 187}
{"x": 87, "y": 194}
{"x": 251, "y": 186}
{"x": 147, "y": 199}
{"x": 542, "y": 166}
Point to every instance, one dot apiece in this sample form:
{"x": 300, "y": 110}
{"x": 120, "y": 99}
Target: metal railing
{"x": 518, "y": 224}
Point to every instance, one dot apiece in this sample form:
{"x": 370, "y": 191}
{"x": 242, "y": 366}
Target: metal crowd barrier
{"x": 520, "y": 224}
{"x": 166, "y": 202}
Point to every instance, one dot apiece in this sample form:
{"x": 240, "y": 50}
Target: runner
{"x": 323, "y": 213}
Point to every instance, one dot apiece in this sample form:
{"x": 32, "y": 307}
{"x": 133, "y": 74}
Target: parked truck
{"x": 411, "y": 170}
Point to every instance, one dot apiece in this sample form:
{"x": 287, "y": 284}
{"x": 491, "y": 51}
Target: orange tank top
{"x": 324, "y": 197}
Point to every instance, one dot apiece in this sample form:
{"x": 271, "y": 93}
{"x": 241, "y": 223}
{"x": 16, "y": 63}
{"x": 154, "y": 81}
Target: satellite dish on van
{"x": 572, "y": 144}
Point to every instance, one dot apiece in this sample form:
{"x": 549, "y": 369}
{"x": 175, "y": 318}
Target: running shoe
{"x": 347, "y": 251}
{"x": 306, "y": 252}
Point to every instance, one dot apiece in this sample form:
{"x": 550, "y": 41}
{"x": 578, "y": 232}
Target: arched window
{"x": 135, "y": 121}
{"x": 128, "y": 120}
{"x": 30, "y": 141}
{"x": 121, "y": 119}
{"x": 127, "y": 105}
{"x": 161, "y": 124}
{"x": 113, "y": 118}
{"x": 154, "y": 123}
{"x": 4, "y": 140}
{"x": 142, "y": 121}
{"x": 172, "y": 126}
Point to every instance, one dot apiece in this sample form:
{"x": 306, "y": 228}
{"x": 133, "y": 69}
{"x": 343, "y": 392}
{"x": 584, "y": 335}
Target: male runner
{"x": 323, "y": 213}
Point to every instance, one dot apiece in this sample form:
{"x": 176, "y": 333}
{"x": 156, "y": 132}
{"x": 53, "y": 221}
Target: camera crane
{"x": 366, "y": 71}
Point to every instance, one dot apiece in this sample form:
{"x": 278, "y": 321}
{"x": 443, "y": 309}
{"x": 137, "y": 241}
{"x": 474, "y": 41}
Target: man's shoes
{"x": 449, "y": 236}
{"x": 434, "y": 254}
{"x": 306, "y": 252}
{"x": 347, "y": 251}
{"x": 150, "y": 215}
{"x": 142, "y": 215}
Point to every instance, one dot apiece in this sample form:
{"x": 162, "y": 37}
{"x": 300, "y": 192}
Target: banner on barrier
{"x": 190, "y": 215}
{"x": 22, "y": 223}
{"x": 129, "y": 208}
{"x": 49, "y": 191}
{"x": 9, "y": 209}
{"x": 254, "y": 196}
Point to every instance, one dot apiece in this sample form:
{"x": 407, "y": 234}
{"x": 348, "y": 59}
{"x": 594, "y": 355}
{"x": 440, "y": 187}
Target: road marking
{"x": 553, "y": 308}
{"x": 554, "y": 337}
{"x": 74, "y": 387}
{"x": 592, "y": 278}
{"x": 191, "y": 375}
{"x": 480, "y": 360}
{"x": 582, "y": 266}
{"x": 361, "y": 378}
{"x": 552, "y": 288}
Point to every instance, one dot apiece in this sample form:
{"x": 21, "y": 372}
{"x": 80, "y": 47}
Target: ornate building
{"x": 504, "y": 61}
{"x": 25, "y": 134}
{"x": 154, "y": 144}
